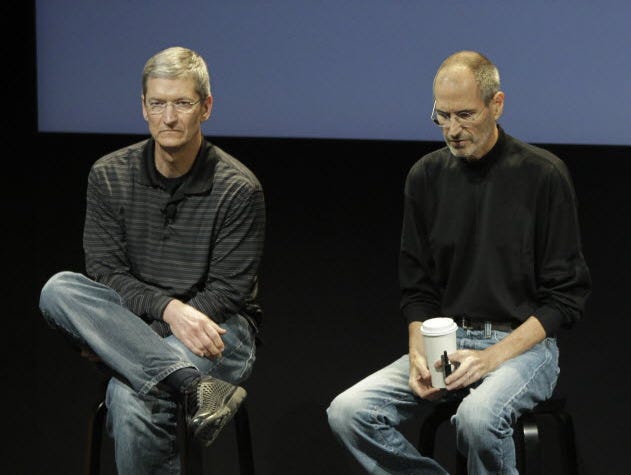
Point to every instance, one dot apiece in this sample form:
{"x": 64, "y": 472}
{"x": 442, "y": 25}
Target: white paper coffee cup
{"x": 439, "y": 335}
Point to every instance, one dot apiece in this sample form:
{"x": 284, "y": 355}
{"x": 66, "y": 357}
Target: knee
{"x": 343, "y": 413}
{"x": 55, "y": 289}
{"x": 478, "y": 424}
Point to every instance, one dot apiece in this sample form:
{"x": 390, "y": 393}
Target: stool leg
{"x": 461, "y": 464}
{"x": 531, "y": 459}
{"x": 195, "y": 458}
{"x": 441, "y": 413}
{"x": 427, "y": 434}
{"x": 568, "y": 442}
{"x": 183, "y": 441}
{"x": 244, "y": 441}
{"x": 191, "y": 452}
{"x": 95, "y": 437}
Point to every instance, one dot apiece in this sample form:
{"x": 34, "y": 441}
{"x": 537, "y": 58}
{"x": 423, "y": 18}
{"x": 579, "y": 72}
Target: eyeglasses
{"x": 181, "y": 105}
{"x": 464, "y": 118}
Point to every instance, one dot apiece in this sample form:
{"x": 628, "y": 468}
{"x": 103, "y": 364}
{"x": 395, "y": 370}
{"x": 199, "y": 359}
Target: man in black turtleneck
{"x": 490, "y": 238}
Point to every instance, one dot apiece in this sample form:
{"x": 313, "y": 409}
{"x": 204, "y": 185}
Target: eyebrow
{"x": 454, "y": 112}
{"x": 182, "y": 98}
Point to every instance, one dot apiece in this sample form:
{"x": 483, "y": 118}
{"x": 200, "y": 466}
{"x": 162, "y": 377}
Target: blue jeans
{"x": 142, "y": 412}
{"x": 365, "y": 417}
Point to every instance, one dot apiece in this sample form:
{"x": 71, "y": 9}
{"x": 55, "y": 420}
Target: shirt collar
{"x": 484, "y": 163}
{"x": 198, "y": 180}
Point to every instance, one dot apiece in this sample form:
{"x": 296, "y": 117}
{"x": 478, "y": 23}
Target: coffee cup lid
{"x": 438, "y": 326}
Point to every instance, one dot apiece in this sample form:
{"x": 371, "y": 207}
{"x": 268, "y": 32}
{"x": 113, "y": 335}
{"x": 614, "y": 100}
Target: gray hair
{"x": 178, "y": 62}
{"x": 486, "y": 74}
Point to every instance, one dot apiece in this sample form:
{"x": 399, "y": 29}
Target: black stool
{"x": 528, "y": 444}
{"x": 190, "y": 453}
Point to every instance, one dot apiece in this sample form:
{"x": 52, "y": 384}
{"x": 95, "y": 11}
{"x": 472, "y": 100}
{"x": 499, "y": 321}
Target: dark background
{"x": 329, "y": 290}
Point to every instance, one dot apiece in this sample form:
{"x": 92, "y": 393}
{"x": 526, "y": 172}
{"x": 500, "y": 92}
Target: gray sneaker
{"x": 210, "y": 404}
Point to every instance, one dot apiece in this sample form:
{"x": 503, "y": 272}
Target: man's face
{"x": 173, "y": 129}
{"x": 456, "y": 93}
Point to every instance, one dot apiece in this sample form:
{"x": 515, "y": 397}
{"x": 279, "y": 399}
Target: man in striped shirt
{"x": 173, "y": 238}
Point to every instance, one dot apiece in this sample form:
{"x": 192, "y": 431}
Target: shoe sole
{"x": 208, "y": 431}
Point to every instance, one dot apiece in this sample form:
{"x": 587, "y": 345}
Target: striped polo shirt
{"x": 202, "y": 244}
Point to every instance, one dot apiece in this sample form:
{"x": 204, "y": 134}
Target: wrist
{"x": 170, "y": 310}
{"x": 415, "y": 337}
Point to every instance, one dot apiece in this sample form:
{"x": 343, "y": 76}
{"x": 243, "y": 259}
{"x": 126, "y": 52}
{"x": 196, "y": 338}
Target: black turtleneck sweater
{"x": 492, "y": 239}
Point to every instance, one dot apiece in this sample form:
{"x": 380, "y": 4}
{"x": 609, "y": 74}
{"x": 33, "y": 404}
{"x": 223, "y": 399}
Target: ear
{"x": 144, "y": 108}
{"x": 497, "y": 104}
{"x": 207, "y": 107}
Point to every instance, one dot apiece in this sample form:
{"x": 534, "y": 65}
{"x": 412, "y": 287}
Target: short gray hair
{"x": 178, "y": 62}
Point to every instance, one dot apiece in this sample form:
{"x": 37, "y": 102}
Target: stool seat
{"x": 191, "y": 453}
{"x": 527, "y": 436}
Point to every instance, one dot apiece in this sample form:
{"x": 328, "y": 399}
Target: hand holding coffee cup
{"x": 439, "y": 339}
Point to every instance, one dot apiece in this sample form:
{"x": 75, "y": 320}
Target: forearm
{"x": 142, "y": 299}
{"x": 415, "y": 338}
{"x": 232, "y": 273}
{"x": 524, "y": 337}
{"x": 226, "y": 293}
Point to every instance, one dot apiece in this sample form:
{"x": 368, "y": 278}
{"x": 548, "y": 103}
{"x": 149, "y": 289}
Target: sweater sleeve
{"x": 420, "y": 296}
{"x": 563, "y": 278}
{"x": 237, "y": 251}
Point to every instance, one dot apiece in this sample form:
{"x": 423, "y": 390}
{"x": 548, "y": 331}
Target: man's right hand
{"x": 196, "y": 330}
{"x": 420, "y": 378}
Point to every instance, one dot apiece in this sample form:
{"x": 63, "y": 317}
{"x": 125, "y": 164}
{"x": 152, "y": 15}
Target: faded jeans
{"x": 365, "y": 418}
{"x": 142, "y": 412}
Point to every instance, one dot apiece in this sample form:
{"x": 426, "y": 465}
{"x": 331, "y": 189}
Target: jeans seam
{"x": 522, "y": 389}
{"x": 375, "y": 411}
{"x": 247, "y": 361}
{"x": 146, "y": 387}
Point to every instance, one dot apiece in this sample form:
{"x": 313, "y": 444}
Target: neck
{"x": 491, "y": 143}
{"x": 172, "y": 163}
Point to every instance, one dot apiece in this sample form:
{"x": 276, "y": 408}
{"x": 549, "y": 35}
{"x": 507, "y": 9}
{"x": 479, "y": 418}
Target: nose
{"x": 453, "y": 125}
{"x": 169, "y": 114}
